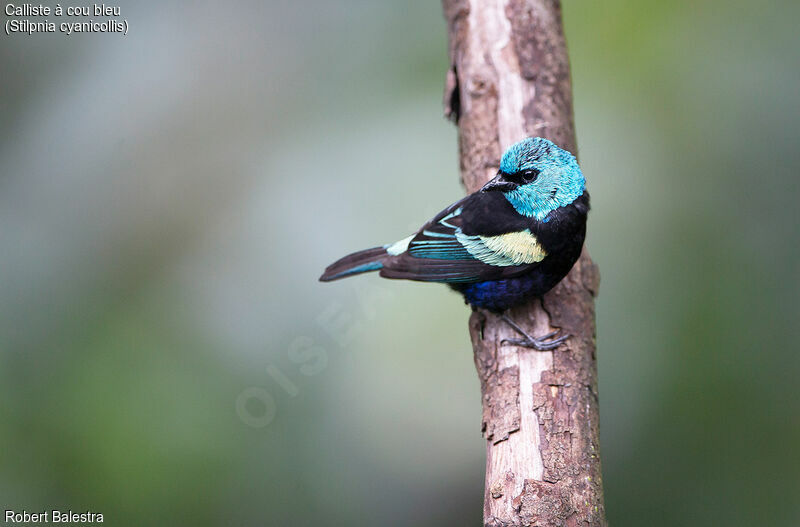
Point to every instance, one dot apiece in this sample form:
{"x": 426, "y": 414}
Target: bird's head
{"x": 537, "y": 177}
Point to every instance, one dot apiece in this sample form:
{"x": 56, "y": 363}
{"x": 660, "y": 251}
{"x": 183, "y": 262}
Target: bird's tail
{"x": 356, "y": 263}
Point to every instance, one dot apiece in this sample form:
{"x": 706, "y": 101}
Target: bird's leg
{"x": 539, "y": 344}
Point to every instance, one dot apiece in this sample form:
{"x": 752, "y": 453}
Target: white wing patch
{"x": 513, "y": 248}
{"x": 399, "y": 247}
{"x": 521, "y": 247}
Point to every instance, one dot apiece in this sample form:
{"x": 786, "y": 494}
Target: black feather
{"x": 356, "y": 263}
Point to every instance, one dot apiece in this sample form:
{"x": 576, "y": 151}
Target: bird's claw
{"x": 541, "y": 343}
{"x": 538, "y": 343}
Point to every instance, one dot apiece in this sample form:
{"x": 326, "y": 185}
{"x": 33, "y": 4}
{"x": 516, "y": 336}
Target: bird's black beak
{"x": 499, "y": 183}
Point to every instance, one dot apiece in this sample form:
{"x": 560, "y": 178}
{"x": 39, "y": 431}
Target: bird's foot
{"x": 540, "y": 344}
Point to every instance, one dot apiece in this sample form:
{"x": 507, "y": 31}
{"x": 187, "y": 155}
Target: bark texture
{"x": 510, "y": 79}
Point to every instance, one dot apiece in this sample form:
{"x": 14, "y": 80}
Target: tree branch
{"x": 510, "y": 79}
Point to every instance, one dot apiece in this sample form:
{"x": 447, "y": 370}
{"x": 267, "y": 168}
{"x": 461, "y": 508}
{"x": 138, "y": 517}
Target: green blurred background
{"x": 168, "y": 199}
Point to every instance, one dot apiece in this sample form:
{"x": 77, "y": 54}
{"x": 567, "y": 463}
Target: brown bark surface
{"x": 510, "y": 79}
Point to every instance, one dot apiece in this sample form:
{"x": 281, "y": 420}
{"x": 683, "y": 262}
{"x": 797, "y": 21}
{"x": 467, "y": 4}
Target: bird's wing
{"x": 473, "y": 240}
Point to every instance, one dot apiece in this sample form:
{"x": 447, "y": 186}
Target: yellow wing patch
{"x": 520, "y": 247}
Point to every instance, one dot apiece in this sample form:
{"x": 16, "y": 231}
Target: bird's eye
{"x": 529, "y": 176}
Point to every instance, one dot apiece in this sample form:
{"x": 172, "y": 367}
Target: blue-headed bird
{"x": 512, "y": 240}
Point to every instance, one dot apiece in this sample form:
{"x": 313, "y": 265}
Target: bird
{"x": 512, "y": 240}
